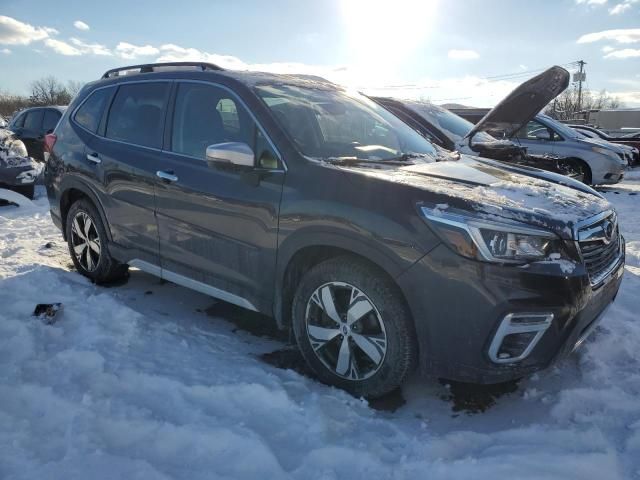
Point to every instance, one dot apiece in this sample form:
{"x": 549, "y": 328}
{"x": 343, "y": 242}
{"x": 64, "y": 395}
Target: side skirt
{"x": 191, "y": 284}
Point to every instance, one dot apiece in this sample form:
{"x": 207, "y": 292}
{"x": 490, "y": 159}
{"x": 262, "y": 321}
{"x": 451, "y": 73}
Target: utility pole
{"x": 581, "y": 77}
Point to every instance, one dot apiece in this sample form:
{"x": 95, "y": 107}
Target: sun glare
{"x": 385, "y": 32}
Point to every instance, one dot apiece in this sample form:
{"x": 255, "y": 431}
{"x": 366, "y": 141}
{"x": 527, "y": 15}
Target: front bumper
{"x": 613, "y": 174}
{"x": 458, "y": 305}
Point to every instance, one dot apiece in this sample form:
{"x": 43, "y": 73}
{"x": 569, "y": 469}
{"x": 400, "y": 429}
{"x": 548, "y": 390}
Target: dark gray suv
{"x": 290, "y": 196}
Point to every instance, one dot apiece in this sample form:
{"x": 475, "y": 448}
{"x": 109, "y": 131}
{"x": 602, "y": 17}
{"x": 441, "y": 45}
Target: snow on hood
{"x": 489, "y": 191}
{"x": 521, "y": 105}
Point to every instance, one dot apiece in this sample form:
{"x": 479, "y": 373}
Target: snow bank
{"x": 135, "y": 381}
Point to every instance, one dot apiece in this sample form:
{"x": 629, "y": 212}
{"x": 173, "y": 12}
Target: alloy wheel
{"x": 85, "y": 241}
{"x": 346, "y": 331}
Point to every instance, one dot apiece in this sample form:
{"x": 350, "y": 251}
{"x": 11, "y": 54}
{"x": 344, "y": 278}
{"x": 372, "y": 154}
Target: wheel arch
{"x": 297, "y": 257}
{"x": 73, "y": 190}
{"x": 588, "y": 172}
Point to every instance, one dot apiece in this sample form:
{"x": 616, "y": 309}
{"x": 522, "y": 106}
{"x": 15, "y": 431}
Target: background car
{"x": 32, "y": 124}
{"x": 453, "y": 132}
{"x": 18, "y": 172}
{"x": 603, "y": 164}
{"x": 3, "y": 122}
{"x": 633, "y": 144}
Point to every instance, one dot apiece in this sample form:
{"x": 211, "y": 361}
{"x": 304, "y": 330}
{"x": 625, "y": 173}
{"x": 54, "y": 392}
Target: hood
{"x": 491, "y": 191}
{"x": 602, "y": 143}
{"x": 521, "y": 105}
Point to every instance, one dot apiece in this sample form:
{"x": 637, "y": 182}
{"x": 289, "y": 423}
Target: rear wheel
{"x": 87, "y": 240}
{"x": 353, "y": 327}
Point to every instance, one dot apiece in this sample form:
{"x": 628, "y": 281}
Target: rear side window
{"x": 50, "y": 120}
{"x": 33, "y": 121}
{"x": 137, "y": 114}
{"x": 90, "y": 113}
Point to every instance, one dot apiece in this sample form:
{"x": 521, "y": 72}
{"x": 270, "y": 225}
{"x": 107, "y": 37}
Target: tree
{"x": 74, "y": 87}
{"x": 49, "y": 91}
{"x": 565, "y": 106}
{"x": 9, "y": 104}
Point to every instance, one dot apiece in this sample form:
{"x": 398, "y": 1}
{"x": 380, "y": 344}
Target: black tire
{"x": 400, "y": 356}
{"x": 586, "y": 172}
{"x": 105, "y": 268}
{"x": 26, "y": 190}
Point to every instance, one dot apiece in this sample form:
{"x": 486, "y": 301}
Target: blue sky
{"x": 471, "y": 52}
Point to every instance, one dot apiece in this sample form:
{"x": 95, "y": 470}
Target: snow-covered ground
{"x": 146, "y": 380}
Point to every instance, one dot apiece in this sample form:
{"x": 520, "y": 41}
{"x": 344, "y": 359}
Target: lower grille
{"x": 600, "y": 246}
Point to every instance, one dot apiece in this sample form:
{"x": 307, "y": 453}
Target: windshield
{"x": 453, "y": 126}
{"x": 328, "y": 123}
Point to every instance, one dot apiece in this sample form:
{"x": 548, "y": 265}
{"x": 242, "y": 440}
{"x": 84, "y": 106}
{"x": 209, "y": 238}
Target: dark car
{"x": 632, "y": 143}
{"x": 18, "y": 172}
{"x": 295, "y": 198}
{"x": 32, "y": 124}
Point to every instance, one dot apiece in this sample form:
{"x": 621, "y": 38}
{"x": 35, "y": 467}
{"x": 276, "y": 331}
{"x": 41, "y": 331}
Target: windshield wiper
{"x": 408, "y": 156}
{"x": 403, "y": 159}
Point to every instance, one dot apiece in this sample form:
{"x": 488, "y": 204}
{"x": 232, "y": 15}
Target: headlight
{"x": 17, "y": 149}
{"x": 490, "y": 240}
{"x": 604, "y": 151}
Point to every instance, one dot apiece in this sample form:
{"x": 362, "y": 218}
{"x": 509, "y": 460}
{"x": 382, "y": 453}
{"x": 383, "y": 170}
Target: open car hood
{"x": 521, "y": 105}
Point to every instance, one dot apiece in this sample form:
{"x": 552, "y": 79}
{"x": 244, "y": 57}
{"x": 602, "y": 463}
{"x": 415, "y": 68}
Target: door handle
{"x": 167, "y": 175}
{"x": 94, "y": 158}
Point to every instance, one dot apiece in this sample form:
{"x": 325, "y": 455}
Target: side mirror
{"x": 231, "y": 153}
{"x": 542, "y": 134}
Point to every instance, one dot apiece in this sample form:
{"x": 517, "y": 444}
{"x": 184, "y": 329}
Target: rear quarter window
{"x": 90, "y": 112}
{"x": 51, "y": 118}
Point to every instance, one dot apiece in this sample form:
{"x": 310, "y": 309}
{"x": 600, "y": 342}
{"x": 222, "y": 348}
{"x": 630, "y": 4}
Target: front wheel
{"x": 353, "y": 327}
{"x": 87, "y": 240}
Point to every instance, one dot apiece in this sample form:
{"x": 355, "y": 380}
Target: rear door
{"x": 218, "y": 225}
{"x": 126, "y": 155}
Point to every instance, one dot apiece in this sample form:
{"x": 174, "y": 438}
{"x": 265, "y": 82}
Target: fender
{"x": 379, "y": 253}
{"x": 71, "y": 181}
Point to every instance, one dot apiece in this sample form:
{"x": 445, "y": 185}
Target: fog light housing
{"x": 517, "y": 335}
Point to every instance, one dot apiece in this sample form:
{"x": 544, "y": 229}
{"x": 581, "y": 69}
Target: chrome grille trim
{"x": 601, "y": 253}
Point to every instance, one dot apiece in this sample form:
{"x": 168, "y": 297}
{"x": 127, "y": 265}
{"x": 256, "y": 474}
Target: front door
{"x": 537, "y": 138}
{"x": 218, "y": 224}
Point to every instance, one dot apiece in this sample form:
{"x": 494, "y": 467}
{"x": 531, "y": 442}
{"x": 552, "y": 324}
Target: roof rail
{"x": 151, "y": 67}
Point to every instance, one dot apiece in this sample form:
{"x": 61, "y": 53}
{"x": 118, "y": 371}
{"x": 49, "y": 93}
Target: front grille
{"x": 600, "y": 247}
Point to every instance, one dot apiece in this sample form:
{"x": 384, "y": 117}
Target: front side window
{"x": 327, "y": 123}
{"x": 534, "y": 130}
{"x": 205, "y": 115}
{"x": 137, "y": 114}
{"x": 90, "y": 113}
